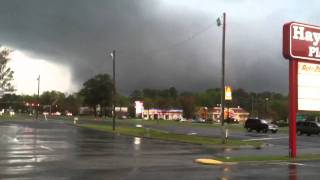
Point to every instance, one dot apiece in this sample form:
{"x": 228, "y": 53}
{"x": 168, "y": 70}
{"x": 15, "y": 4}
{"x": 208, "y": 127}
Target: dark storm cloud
{"x": 146, "y": 35}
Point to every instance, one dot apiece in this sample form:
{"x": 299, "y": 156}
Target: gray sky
{"x": 159, "y": 43}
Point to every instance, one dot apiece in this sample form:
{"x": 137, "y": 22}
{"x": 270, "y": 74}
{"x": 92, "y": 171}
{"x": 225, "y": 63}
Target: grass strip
{"x": 151, "y": 133}
{"x": 266, "y": 158}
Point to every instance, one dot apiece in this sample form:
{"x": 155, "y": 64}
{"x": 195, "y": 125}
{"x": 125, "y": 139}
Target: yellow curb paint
{"x": 209, "y": 161}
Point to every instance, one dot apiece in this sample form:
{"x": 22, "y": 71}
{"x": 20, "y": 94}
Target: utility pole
{"x": 113, "y": 55}
{"x": 38, "y": 97}
{"x": 266, "y": 107}
{"x": 223, "y": 73}
{"x": 252, "y": 101}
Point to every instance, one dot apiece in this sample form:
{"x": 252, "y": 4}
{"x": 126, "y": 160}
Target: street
{"x": 57, "y": 150}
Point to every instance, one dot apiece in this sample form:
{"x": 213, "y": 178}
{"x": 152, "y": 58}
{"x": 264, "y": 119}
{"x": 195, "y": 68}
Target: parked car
{"x": 308, "y": 127}
{"x": 231, "y": 121}
{"x": 260, "y": 125}
{"x": 198, "y": 120}
{"x": 56, "y": 113}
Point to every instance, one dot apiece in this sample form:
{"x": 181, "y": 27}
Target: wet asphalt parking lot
{"x": 56, "y": 150}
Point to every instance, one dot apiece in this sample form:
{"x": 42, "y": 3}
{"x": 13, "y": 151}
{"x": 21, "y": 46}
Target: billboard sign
{"x": 228, "y": 93}
{"x": 301, "y": 41}
{"x": 308, "y": 86}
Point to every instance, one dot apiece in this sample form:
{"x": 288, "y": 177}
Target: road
{"x": 56, "y": 150}
{"x": 277, "y": 144}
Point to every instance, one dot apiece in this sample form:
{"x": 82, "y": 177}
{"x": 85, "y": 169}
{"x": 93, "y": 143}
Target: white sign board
{"x": 139, "y": 107}
{"x": 308, "y": 86}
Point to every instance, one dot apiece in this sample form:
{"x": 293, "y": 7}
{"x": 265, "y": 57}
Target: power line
{"x": 179, "y": 43}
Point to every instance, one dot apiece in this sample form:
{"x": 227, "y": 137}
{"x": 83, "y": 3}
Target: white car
{"x": 183, "y": 120}
{"x": 57, "y": 113}
{"x": 11, "y": 113}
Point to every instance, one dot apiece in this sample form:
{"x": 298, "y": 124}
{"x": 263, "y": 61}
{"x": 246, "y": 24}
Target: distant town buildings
{"x": 237, "y": 114}
{"x": 121, "y": 112}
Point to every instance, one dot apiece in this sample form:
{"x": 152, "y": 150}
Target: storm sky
{"x": 158, "y": 43}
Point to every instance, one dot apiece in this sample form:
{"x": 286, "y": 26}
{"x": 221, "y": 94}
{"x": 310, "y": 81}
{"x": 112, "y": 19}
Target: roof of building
{"x": 165, "y": 110}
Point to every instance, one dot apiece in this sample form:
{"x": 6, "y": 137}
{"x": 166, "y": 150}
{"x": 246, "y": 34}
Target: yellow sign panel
{"x": 228, "y": 93}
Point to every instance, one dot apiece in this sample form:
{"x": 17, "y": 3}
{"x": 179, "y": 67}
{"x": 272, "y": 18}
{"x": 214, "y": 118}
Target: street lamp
{"x": 223, "y": 23}
{"x": 113, "y": 56}
{"x": 266, "y": 106}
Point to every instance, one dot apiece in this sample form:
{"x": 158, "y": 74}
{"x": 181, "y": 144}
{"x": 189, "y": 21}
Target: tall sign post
{"x": 301, "y": 45}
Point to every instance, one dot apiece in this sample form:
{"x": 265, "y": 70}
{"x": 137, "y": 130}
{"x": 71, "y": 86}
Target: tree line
{"x": 264, "y": 104}
{"x": 98, "y": 91}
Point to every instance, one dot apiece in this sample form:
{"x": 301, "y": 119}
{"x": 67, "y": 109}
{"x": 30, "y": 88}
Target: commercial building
{"x": 238, "y": 114}
{"x": 170, "y": 114}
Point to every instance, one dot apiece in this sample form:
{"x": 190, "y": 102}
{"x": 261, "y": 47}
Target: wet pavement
{"x": 56, "y": 150}
{"x": 276, "y": 144}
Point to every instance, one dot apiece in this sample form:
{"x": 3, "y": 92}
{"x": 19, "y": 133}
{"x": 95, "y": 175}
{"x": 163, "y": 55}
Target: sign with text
{"x": 308, "y": 86}
{"x": 138, "y": 105}
{"x": 228, "y": 93}
{"x": 301, "y": 41}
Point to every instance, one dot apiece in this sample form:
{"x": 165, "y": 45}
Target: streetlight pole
{"x": 223, "y": 23}
{"x": 113, "y": 55}
{"x": 252, "y": 101}
{"x": 223, "y": 67}
{"x": 37, "y": 112}
{"x": 223, "y": 71}
{"x": 266, "y": 106}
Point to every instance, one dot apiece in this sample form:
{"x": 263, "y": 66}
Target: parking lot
{"x": 56, "y": 150}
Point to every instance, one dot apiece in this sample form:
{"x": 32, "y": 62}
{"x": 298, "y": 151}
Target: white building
{"x": 171, "y": 114}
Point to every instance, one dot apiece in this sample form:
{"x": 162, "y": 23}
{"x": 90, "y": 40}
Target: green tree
{"x": 136, "y": 95}
{"x": 173, "y": 92}
{"x": 52, "y": 101}
{"x": 6, "y": 74}
{"x": 72, "y": 103}
{"x": 188, "y": 106}
{"x": 12, "y": 101}
{"x": 97, "y": 91}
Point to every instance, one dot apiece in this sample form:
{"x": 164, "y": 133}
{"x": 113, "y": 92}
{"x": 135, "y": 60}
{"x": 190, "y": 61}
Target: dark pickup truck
{"x": 308, "y": 127}
{"x": 260, "y": 125}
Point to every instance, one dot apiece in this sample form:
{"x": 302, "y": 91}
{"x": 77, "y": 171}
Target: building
{"x": 85, "y": 110}
{"x": 122, "y": 112}
{"x": 238, "y": 114}
{"x": 203, "y": 113}
{"x": 170, "y": 114}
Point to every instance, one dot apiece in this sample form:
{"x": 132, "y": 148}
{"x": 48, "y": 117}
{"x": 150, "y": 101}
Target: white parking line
{"x": 47, "y": 148}
{"x": 287, "y": 163}
{"x": 263, "y": 139}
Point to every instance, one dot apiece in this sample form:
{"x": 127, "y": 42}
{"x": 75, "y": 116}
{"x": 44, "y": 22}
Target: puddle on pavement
{"x": 136, "y": 143}
{"x": 225, "y": 172}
